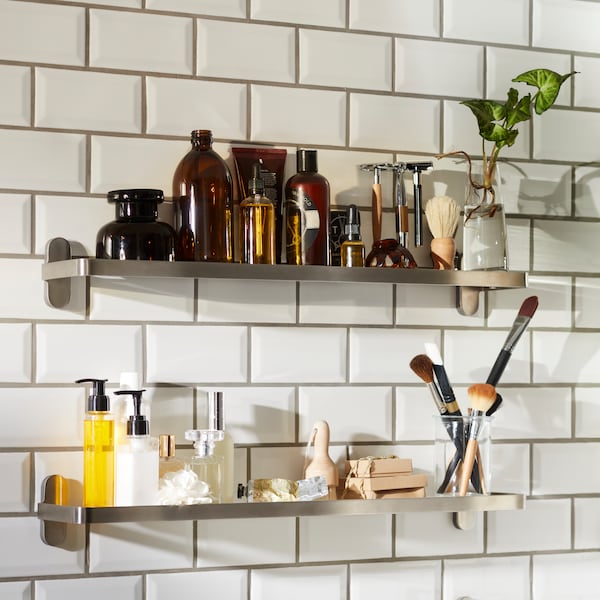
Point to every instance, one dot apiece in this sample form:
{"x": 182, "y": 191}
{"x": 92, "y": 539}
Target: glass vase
{"x": 484, "y": 224}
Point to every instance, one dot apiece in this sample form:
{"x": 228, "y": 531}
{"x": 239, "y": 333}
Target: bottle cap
{"x": 306, "y": 161}
{"x": 256, "y": 185}
{"x": 98, "y": 401}
{"x": 204, "y": 440}
{"x": 137, "y": 424}
{"x": 166, "y": 445}
{"x": 215, "y": 411}
{"x": 352, "y": 224}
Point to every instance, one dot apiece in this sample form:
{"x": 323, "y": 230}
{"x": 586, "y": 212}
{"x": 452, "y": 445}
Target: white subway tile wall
{"x": 101, "y": 95}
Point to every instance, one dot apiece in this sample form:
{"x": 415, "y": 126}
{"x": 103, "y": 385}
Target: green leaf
{"x": 548, "y": 83}
{"x": 519, "y": 113}
{"x": 486, "y": 112}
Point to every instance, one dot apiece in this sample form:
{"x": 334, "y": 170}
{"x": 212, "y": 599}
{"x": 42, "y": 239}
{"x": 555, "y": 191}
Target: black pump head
{"x": 98, "y": 401}
{"x": 137, "y": 423}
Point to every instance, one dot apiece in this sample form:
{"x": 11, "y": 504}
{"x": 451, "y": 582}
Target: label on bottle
{"x": 303, "y": 221}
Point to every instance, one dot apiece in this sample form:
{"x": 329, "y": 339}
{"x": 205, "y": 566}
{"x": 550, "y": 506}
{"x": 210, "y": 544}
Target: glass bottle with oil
{"x": 352, "y": 250}
{"x": 98, "y": 448}
{"x": 257, "y": 214}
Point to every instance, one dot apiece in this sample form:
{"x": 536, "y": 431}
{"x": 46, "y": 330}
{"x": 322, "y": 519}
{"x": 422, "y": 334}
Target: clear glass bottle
{"x": 167, "y": 461}
{"x": 307, "y": 213}
{"x": 135, "y": 234}
{"x": 353, "y": 250}
{"x": 258, "y": 222}
{"x": 98, "y": 448}
{"x": 223, "y": 448}
{"x": 203, "y": 203}
{"x": 207, "y": 466}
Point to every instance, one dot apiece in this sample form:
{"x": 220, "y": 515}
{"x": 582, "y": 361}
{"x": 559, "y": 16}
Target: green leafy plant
{"x": 497, "y": 121}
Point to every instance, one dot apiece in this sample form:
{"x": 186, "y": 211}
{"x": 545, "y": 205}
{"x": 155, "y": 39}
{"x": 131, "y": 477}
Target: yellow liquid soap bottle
{"x": 207, "y": 466}
{"x": 98, "y": 448}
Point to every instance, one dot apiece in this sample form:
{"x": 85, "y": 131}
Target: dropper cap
{"x": 166, "y": 445}
{"x": 352, "y": 225}
{"x": 137, "y": 424}
{"x": 98, "y": 401}
{"x": 256, "y": 185}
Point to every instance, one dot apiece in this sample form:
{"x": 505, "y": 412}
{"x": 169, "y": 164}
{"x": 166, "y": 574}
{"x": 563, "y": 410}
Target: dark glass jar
{"x": 203, "y": 203}
{"x": 135, "y": 234}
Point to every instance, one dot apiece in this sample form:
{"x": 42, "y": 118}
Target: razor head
{"x": 418, "y": 167}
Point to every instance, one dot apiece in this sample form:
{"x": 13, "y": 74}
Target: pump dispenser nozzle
{"x": 98, "y": 401}
{"x": 137, "y": 424}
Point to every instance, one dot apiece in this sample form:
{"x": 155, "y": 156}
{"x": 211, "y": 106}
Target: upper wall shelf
{"x": 61, "y": 266}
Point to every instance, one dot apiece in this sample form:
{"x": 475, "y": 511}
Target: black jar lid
{"x": 136, "y": 195}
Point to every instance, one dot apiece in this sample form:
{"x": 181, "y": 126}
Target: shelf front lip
{"x": 84, "y": 267}
{"x": 120, "y": 514}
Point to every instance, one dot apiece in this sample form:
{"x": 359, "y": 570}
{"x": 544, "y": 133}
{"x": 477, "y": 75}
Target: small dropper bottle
{"x": 207, "y": 466}
{"x": 167, "y": 461}
{"x": 353, "y": 250}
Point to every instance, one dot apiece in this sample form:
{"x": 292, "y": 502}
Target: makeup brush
{"x": 446, "y": 390}
{"x": 421, "y": 364}
{"x": 482, "y": 397}
{"x": 442, "y": 214}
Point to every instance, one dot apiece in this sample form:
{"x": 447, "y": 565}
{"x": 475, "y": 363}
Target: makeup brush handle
{"x": 376, "y": 210}
{"x": 418, "y": 216}
{"x": 451, "y": 469}
{"x": 468, "y": 466}
{"x": 494, "y": 407}
{"x": 498, "y": 367}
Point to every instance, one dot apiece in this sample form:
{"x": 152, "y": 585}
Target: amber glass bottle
{"x": 203, "y": 203}
{"x": 307, "y": 213}
{"x": 353, "y": 250}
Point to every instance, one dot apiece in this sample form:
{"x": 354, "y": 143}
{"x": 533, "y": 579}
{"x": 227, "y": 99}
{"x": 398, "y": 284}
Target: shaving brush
{"x": 442, "y": 214}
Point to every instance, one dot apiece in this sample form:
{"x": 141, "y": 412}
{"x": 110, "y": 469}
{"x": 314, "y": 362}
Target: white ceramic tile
{"x": 15, "y": 590}
{"x": 287, "y": 462}
{"x": 26, "y": 300}
{"x": 432, "y": 305}
{"x": 256, "y": 415}
{"x": 566, "y": 25}
{"x": 470, "y": 20}
{"x": 74, "y": 218}
{"x": 587, "y": 523}
{"x": 542, "y": 525}
{"x": 587, "y": 293}
{"x": 559, "y": 576}
{"x": 360, "y": 537}
{"x": 142, "y": 299}
{"x": 15, "y": 103}
{"x": 418, "y": 579}
{"x": 59, "y": 160}
{"x": 433, "y": 534}
{"x": 15, "y": 226}
{"x": 300, "y": 582}
{"x": 67, "y": 464}
{"x": 119, "y": 3}
{"x": 232, "y": 300}
{"x": 231, "y": 585}
{"x": 414, "y": 412}
{"x": 461, "y": 133}
{"x": 345, "y": 60}
{"x": 395, "y": 16}
{"x": 311, "y": 354}
{"x": 223, "y": 8}
{"x": 554, "y": 308}
{"x": 367, "y": 412}
{"x": 504, "y": 64}
{"x": 68, "y": 352}
{"x": 518, "y": 232}
{"x": 319, "y": 116}
{"x": 469, "y": 356}
{"x": 427, "y": 67}
{"x": 88, "y": 100}
{"x": 510, "y": 467}
{"x": 93, "y": 588}
{"x": 177, "y": 354}
{"x": 309, "y": 12}
{"x": 16, "y": 469}
{"x": 63, "y": 407}
{"x": 587, "y": 89}
{"x": 587, "y": 412}
{"x": 232, "y": 542}
{"x": 557, "y": 135}
{"x": 565, "y": 468}
{"x": 565, "y": 357}
{"x": 587, "y": 188}
{"x": 354, "y": 303}
{"x": 392, "y": 122}
{"x": 383, "y": 355}
{"x": 15, "y": 353}
{"x": 139, "y": 47}
{"x": 259, "y": 52}
{"x": 23, "y": 554}
{"x": 494, "y": 578}
{"x": 59, "y": 33}
{"x": 175, "y": 104}
{"x": 141, "y": 546}
{"x": 123, "y": 162}
{"x": 172, "y": 411}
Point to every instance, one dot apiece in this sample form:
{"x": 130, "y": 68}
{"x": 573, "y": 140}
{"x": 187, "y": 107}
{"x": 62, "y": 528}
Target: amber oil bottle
{"x": 352, "y": 250}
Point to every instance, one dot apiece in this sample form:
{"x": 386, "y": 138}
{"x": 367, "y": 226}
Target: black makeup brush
{"x": 446, "y": 390}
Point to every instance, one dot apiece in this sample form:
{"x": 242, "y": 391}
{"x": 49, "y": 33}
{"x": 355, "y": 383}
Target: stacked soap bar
{"x": 383, "y": 477}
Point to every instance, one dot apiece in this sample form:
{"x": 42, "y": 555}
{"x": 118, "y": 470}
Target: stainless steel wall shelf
{"x": 61, "y": 267}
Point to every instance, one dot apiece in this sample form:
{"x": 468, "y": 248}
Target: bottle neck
{"x": 202, "y": 139}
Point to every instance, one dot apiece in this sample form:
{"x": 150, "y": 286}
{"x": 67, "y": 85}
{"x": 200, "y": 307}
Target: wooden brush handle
{"x": 468, "y": 466}
{"x": 442, "y": 253}
{"x": 376, "y": 210}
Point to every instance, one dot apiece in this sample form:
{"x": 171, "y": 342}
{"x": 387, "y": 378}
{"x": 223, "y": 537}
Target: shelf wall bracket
{"x": 58, "y": 291}
{"x": 467, "y": 300}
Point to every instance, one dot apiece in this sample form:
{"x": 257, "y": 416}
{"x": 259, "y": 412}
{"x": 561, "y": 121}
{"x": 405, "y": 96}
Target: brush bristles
{"x": 482, "y": 396}
{"x": 421, "y": 364}
{"x": 442, "y": 214}
{"x": 528, "y": 307}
